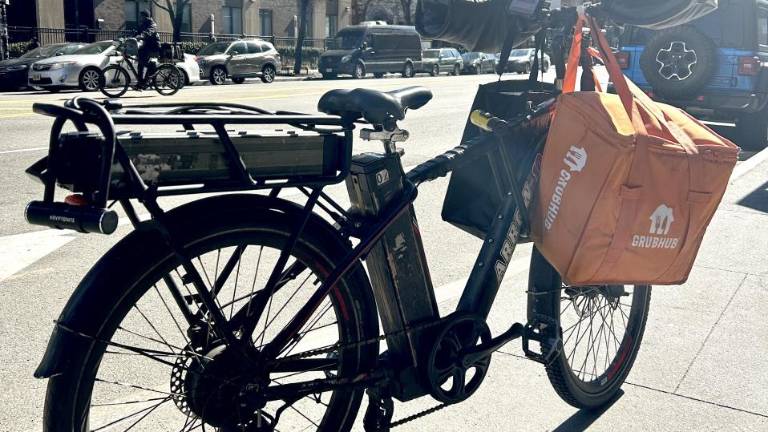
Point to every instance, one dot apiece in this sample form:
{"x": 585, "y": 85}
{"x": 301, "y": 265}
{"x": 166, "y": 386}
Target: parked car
{"x": 438, "y": 60}
{"x": 715, "y": 67}
{"x": 82, "y": 68}
{"x": 238, "y": 60}
{"x": 374, "y": 48}
{"x": 477, "y": 63}
{"x": 14, "y": 72}
{"x": 521, "y": 61}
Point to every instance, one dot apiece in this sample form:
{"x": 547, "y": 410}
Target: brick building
{"x": 253, "y": 17}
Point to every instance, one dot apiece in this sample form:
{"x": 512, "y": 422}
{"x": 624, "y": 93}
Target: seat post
{"x": 388, "y": 133}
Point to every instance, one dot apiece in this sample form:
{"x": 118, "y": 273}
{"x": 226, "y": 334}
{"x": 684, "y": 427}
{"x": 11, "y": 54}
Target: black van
{"x": 376, "y": 49}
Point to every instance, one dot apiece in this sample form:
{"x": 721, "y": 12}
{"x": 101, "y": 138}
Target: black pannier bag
{"x": 476, "y": 189}
{"x": 171, "y": 53}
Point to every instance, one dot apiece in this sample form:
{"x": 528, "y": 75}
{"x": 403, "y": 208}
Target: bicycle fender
{"x": 72, "y": 334}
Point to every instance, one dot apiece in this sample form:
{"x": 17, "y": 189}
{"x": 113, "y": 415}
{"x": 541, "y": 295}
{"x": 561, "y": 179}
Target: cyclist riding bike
{"x": 147, "y": 33}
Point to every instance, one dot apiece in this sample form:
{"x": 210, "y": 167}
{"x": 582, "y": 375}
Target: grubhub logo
{"x": 575, "y": 160}
{"x": 661, "y": 222}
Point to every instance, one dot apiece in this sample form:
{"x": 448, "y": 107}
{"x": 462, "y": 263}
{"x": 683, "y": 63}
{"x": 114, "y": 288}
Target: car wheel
{"x": 456, "y": 70}
{"x": 268, "y": 73}
{"x": 527, "y": 69}
{"x": 679, "y": 62}
{"x": 238, "y": 80}
{"x": 408, "y": 70}
{"x": 218, "y": 75}
{"x": 435, "y": 70}
{"x": 89, "y": 79}
{"x": 359, "y": 71}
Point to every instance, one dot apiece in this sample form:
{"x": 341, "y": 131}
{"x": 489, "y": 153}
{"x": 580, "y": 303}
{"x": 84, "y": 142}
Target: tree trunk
{"x": 302, "y": 18}
{"x": 406, "y": 4}
{"x": 178, "y": 20}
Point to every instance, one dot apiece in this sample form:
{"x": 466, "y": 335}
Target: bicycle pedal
{"x": 540, "y": 331}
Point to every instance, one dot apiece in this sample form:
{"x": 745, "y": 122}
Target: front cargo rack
{"x": 214, "y": 149}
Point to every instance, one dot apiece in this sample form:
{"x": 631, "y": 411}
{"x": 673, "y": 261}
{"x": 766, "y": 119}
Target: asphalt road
{"x": 682, "y": 380}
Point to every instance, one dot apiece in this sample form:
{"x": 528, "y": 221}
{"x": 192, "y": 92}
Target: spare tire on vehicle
{"x": 679, "y": 62}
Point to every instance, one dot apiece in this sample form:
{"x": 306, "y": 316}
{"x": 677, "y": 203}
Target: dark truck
{"x": 715, "y": 67}
{"x": 373, "y": 48}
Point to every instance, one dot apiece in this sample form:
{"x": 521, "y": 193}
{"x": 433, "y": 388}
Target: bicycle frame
{"x": 400, "y": 367}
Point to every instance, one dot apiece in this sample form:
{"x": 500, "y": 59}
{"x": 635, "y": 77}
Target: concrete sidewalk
{"x": 703, "y": 363}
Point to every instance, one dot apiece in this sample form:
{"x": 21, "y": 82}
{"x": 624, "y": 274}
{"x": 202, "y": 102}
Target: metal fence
{"x": 54, "y": 35}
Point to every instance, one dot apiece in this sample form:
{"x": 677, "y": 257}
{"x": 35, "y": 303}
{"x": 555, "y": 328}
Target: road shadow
{"x": 581, "y": 420}
{"x": 757, "y": 199}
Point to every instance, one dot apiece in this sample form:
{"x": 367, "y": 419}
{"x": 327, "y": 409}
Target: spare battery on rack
{"x": 192, "y": 157}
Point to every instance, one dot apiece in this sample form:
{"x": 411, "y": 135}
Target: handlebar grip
{"x": 487, "y": 121}
{"x": 84, "y": 219}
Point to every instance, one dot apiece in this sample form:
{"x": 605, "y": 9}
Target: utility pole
{"x": 4, "y": 54}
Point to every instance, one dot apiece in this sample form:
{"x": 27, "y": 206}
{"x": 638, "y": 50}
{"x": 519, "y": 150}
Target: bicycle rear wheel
{"x": 114, "y": 81}
{"x": 141, "y": 367}
{"x": 600, "y": 331}
{"x": 168, "y": 80}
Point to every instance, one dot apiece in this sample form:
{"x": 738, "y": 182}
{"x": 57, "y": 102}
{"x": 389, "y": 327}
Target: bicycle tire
{"x": 114, "y": 81}
{"x": 567, "y": 374}
{"x": 167, "y": 80}
{"x": 202, "y": 226}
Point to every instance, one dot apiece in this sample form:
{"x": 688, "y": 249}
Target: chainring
{"x": 449, "y": 380}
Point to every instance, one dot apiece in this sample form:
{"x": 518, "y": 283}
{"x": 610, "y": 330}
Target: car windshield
{"x": 520, "y": 53}
{"x": 431, "y": 54}
{"x": 470, "y": 56}
{"x": 348, "y": 40}
{"x": 214, "y": 48}
{"x": 42, "y": 52}
{"x": 94, "y": 48}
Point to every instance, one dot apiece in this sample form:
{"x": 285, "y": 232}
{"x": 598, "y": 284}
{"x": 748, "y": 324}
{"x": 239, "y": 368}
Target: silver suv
{"x": 240, "y": 59}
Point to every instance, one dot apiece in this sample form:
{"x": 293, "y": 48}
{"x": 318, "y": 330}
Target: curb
{"x": 749, "y": 164}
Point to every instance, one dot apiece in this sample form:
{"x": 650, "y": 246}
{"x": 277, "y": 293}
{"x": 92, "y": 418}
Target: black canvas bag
{"x": 476, "y": 189}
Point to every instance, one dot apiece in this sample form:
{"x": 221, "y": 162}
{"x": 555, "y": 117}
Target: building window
{"x": 331, "y": 25}
{"x": 265, "y": 22}
{"x": 232, "y": 18}
{"x": 132, "y": 10}
{"x": 186, "y": 19}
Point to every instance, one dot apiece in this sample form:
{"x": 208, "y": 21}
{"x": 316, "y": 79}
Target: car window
{"x": 431, "y": 54}
{"x": 94, "y": 48}
{"x": 237, "y": 48}
{"x": 214, "y": 48}
{"x": 349, "y": 39}
{"x": 253, "y": 47}
{"x": 762, "y": 28}
{"x": 69, "y": 49}
{"x": 266, "y": 46}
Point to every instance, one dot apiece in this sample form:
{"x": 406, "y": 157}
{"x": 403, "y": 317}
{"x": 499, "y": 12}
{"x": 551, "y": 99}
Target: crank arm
{"x": 479, "y": 352}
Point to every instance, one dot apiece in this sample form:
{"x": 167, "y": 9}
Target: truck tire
{"x": 679, "y": 62}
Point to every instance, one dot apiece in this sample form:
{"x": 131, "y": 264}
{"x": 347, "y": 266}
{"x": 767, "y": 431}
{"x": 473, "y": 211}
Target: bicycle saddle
{"x": 372, "y": 105}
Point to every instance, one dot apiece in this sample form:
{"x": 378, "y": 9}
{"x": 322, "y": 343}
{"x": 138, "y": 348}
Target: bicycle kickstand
{"x": 378, "y": 415}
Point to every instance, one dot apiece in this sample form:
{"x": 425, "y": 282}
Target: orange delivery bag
{"x": 627, "y": 186}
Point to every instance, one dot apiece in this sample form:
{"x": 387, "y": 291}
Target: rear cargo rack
{"x": 211, "y": 153}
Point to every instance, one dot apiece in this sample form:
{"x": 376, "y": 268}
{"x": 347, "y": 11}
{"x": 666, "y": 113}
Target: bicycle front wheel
{"x": 143, "y": 367}
{"x": 168, "y": 80}
{"x": 114, "y": 81}
{"x": 600, "y": 331}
